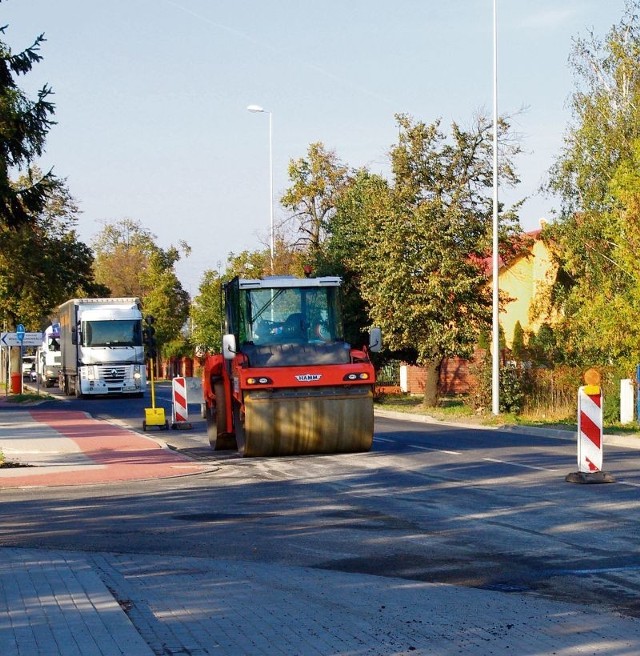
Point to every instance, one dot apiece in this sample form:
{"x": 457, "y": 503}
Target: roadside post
{"x": 638, "y": 392}
{"x": 153, "y": 417}
{"x": 626, "y": 401}
{"x": 590, "y": 433}
{"x": 20, "y": 335}
{"x": 185, "y": 390}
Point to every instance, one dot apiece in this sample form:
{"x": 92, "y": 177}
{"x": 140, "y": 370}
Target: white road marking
{"x": 426, "y": 448}
{"x": 421, "y": 448}
{"x": 517, "y": 464}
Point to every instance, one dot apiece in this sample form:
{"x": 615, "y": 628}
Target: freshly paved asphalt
{"x": 103, "y": 604}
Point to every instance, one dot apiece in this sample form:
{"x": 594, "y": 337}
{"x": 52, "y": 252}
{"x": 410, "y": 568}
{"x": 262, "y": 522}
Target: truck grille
{"x": 111, "y": 374}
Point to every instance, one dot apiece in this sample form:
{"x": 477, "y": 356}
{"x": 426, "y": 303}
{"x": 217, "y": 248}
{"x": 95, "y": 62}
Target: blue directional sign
{"x": 20, "y": 333}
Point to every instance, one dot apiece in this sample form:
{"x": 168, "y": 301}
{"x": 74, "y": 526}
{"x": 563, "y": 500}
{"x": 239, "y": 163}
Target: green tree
{"x": 597, "y": 236}
{"x": 317, "y": 181}
{"x": 518, "y": 346}
{"x": 130, "y": 263}
{"x": 24, "y": 125}
{"x": 42, "y": 263}
{"x": 207, "y": 314}
{"x": 345, "y": 249}
{"x": 424, "y": 240}
{"x": 122, "y": 253}
{"x": 544, "y": 346}
{"x": 166, "y": 300}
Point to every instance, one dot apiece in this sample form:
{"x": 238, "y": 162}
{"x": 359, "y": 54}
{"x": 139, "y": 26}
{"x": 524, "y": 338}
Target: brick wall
{"x": 454, "y": 378}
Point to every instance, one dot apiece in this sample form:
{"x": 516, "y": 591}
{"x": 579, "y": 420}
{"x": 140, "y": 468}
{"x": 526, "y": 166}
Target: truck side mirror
{"x": 229, "y": 347}
{"x": 375, "y": 340}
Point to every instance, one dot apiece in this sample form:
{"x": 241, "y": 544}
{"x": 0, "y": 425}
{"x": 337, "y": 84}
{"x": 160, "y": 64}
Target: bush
{"x": 512, "y": 389}
{"x": 611, "y": 409}
{"x": 513, "y": 383}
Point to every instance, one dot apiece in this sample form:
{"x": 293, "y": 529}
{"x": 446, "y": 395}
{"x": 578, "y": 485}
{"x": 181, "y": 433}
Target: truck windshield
{"x": 291, "y": 315}
{"x": 125, "y": 332}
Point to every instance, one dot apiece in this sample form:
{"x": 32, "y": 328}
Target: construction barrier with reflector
{"x": 589, "y": 429}
{"x": 185, "y": 390}
{"x": 590, "y": 433}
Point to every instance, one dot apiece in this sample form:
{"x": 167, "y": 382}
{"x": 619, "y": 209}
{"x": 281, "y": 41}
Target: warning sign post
{"x": 590, "y": 433}
{"x": 184, "y": 390}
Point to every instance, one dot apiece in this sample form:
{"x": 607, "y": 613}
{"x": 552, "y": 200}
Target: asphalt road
{"x": 479, "y": 508}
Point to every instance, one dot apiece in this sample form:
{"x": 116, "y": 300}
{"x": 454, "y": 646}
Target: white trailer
{"x": 101, "y": 347}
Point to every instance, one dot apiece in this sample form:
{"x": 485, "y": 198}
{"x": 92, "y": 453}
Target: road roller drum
{"x": 298, "y": 422}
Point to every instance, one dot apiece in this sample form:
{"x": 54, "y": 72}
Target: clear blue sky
{"x": 151, "y": 97}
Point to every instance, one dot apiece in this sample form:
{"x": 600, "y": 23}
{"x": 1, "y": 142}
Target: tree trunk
{"x": 431, "y": 377}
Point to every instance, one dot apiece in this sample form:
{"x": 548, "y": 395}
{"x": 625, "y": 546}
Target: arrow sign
{"x": 28, "y": 339}
{"x": 20, "y": 333}
{"x": 9, "y": 339}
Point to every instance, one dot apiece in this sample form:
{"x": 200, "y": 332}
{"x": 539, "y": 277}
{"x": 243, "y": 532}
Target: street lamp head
{"x": 255, "y": 108}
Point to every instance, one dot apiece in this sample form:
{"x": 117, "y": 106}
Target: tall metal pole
{"x": 260, "y": 110}
{"x": 495, "y": 369}
{"x": 271, "y": 238}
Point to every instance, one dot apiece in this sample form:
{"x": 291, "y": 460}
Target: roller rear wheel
{"x": 219, "y": 438}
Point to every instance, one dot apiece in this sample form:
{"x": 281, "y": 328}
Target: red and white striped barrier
{"x": 180, "y": 412}
{"x": 590, "y": 433}
{"x": 589, "y": 429}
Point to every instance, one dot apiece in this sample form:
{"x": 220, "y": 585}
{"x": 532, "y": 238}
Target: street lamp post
{"x": 257, "y": 109}
{"x": 495, "y": 368}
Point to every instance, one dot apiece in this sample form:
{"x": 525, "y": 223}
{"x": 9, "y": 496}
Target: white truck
{"x": 101, "y": 347}
{"x": 48, "y": 357}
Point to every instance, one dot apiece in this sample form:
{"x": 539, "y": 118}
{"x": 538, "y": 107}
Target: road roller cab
{"x": 286, "y": 382}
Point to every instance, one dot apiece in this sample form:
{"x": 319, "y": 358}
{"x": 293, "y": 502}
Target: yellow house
{"x": 524, "y": 285}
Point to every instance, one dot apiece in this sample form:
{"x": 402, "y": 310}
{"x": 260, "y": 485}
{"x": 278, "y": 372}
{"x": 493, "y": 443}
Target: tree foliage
{"x": 207, "y": 314}
{"x": 130, "y": 263}
{"x": 24, "y": 125}
{"x": 122, "y": 252}
{"x": 165, "y": 299}
{"x": 317, "y": 180}
{"x": 517, "y": 345}
{"x": 42, "y": 263}
{"x": 346, "y": 245}
{"x": 597, "y": 236}
{"x": 420, "y": 241}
